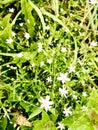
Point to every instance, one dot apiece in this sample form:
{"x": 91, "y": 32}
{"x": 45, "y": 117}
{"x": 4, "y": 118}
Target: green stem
{"x": 14, "y": 20}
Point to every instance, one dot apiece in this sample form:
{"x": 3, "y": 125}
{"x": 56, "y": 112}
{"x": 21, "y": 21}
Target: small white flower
{"x": 46, "y": 103}
{"x": 33, "y": 64}
{"x": 49, "y": 79}
{"x": 59, "y": 45}
{"x": 21, "y": 24}
{"x": 62, "y": 10}
{"x": 74, "y": 97}
{"x": 19, "y": 54}
{"x": 60, "y": 126}
{"x": 49, "y": 61}
{"x": 93, "y": 1}
{"x": 46, "y": 19}
{"x": 93, "y": 44}
{"x": 39, "y": 47}
{"x": 71, "y": 68}
{"x": 63, "y": 77}
{"x": 63, "y": 91}
{"x": 42, "y": 63}
{"x": 63, "y": 49}
{"x": 9, "y": 41}
{"x": 84, "y": 108}
{"x": 13, "y": 34}
{"x": 67, "y": 111}
{"x": 15, "y": 68}
{"x": 11, "y": 10}
{"x": 27, "y": 35}
{"x": 84, "y": 94}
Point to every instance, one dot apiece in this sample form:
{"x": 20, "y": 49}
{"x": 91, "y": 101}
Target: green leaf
{"x": 44, "y": 124}
{"x": 81, "y": 123}
{"x": 29, "y": 19}
{"x": 82, "y": 127}
{"x": 5, "y": 21}
{"x": 25, "y": 105}
{"x": 92, "y": 102}
{"x": 35, "y": 112}
{"x": 6, "y": 1}
{"x": 39, "y": 14}
{"x": 56, "y": 19}
{"x": 6, "y": 32}
{"x": 3, "y": 123}
{"x": 25, "y": 128}
{"x": 10, "y": 126}
{"x": 54, "y": 114}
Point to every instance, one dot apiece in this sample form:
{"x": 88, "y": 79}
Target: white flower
{"x": 13, "y": 34}
{"x": 49, "y": 61}
{"x": 93, "y": 44}
{"x": 27, "y": 35}
{"x": 21, "y": 24}
{"x": 39, "y": 47}
{"x": 42, "y": 63}
{"x": 49, "y": 79}
{"x": 71, "y": 68}
{"x": 61, "y": 126}
{"x": 19, "y": 54}
{"x": 93, "y": 1}
{"x": 63, "y": 49}
{"x": 74, "y": 97}
{"x": 33, "y": 64}
{"x": 63, "y": 77}
{"x": 11, "y": 10}
{"x": 9, "y": 41}
{"x": 46, "y": 104}
{"x": 63, "y": 91}
{"x": 62, "y": 10}
{"x": 67, "y": 111}
{"x": 84, "y": 108}
{"x": 84, "y": 94}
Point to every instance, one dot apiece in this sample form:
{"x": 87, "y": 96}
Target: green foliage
{"x": 84, "y": 120}
{"x": 29, "y": 19}
{"x": 48, "y": 62}
{"x": 3, "y": 123}
{"x": 93, "y": 103}
{"x": 6, "y": 1}
{"x": 35, "y": 111}
{"x": 6, "y": 30}
{"x": 45, "y": 123}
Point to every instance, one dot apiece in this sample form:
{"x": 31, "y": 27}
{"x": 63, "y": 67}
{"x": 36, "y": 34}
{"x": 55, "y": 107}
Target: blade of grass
{"x": 39, "y": 14}
{"x": 55, "y": 6}
{"x": 14, "y": 20}
{"x": 52, "y": 16}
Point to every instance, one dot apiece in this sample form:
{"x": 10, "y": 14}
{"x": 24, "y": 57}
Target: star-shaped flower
{"x": 46, "y": 103}
{"x": 67, "y": 111}
{"x": 63, "y": 91}
{"x": 63, "y": 77}
{"x": 60, "y": 126}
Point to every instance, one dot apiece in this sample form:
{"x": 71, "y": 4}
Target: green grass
{"x": 48, "y": 65}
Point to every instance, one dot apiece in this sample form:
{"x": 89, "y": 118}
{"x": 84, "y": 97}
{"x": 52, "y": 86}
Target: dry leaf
{"x": 21, "y": 120}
